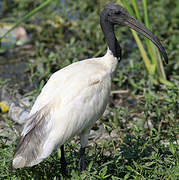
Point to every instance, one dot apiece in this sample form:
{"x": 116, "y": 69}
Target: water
{"x": 12, "y": 69}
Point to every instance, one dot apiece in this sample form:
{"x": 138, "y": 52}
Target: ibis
{"x": 75, "y": 97}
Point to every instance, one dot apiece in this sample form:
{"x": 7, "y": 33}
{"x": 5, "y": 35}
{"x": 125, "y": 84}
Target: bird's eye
{"x": 118, "y": 12}
{"x": 110, "y": 13}
{"x": 114, "y": 12}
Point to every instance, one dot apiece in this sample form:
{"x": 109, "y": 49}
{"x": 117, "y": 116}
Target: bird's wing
{"x": 71, "y": 99}
{"x": 31, "y": 144}
{"x": 64, "y": 84}
{"x": 76, "y": 76}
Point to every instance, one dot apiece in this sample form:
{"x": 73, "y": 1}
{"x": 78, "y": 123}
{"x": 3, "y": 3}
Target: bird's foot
{"x": 63, "y": 161}
{"x": 81, "y": 164}
{"x": 63, "y": 170}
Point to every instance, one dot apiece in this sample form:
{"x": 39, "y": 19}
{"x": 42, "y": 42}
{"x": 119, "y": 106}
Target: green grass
{"x": 138, "y": 138}
{"x": 137, "y": 149}
{"x": 137, "y": 154}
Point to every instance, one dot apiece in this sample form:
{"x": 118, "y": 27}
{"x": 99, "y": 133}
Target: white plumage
{"x": 73, "y": 99}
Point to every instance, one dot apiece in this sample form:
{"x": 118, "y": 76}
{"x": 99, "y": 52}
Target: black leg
{"x": 81, "y": 164}
{"x": 63, "y": 161}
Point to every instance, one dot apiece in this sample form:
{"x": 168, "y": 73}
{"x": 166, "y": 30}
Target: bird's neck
{"x": 113, "y": 44}
{"x": 110, "y": 61}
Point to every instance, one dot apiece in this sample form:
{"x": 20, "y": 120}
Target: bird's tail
{"x": 30, "y": 146}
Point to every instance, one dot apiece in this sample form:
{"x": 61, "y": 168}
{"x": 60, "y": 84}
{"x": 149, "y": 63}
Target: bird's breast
{"x": 79, "y": 112}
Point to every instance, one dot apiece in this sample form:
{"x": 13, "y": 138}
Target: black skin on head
{"x": 114, "y": 14}
{"x": 108, "y": 30}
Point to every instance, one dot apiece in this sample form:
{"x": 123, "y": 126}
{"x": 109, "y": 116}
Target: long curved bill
{"x": 139, "y": 27}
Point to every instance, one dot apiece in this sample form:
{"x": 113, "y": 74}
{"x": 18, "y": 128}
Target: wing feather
{"x": 72, "y": 100}
{"x": 32, "y": 140}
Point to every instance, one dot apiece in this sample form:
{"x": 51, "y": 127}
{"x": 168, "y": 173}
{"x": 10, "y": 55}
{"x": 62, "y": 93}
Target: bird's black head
{"x": 114, "y": 14}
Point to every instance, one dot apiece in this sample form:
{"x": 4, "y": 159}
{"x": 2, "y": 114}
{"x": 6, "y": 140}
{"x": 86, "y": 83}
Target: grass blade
{"x": 136, "y": 9}
{"x": 150, "y": 46}
{"x": 129, "y": 9}
{"x": 153, "y": 51}
{"x": 146, "y": 19}
{"x": 27, "y": 16}
{"x": 150, "y": 67}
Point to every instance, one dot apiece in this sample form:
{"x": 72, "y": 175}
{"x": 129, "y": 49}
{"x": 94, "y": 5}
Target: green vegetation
{"x": 155, "y": 66}
{"x": 138, "y": 137}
